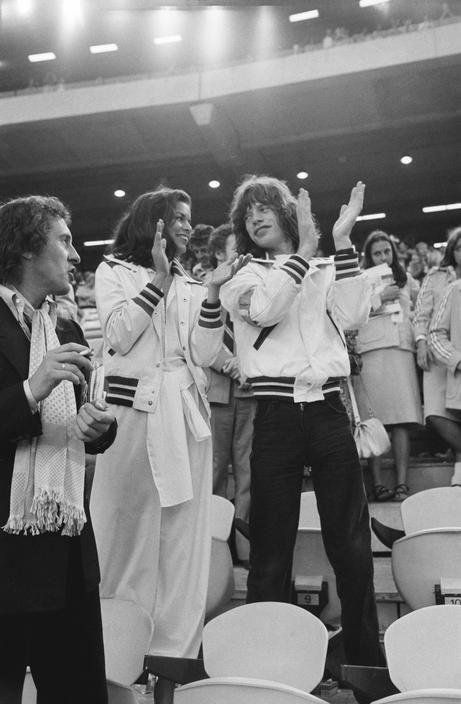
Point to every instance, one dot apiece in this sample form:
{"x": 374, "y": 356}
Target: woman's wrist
{"x": 159, "y": 279}
{"x": 213, "y": 293}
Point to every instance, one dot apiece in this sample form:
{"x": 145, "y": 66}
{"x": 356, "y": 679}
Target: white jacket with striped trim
{"x": 289, "y": 316}
{"x": 445, "y": 341}
{"x": 133, "y": 332}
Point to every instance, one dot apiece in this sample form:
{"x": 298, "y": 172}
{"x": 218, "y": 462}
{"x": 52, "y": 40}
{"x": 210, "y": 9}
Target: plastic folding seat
{"x": 310, "y": 558}
{"x": 262, "y": 653}
{"x": 221, "y": 579}
{"x": 433, "y": 508}
{"x": 424, "y": 656}
{"x": 127, "y": 632}
{"x": 420, "y": 560}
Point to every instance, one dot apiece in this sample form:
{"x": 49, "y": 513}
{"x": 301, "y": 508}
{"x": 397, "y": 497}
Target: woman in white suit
{"x": 151, "y": 497}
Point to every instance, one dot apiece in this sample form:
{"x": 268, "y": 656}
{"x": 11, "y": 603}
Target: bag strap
{"x": 355, "y": 409}
{"x": 366, "y": 397}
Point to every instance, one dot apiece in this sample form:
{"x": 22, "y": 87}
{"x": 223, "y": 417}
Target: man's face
{"x": 52, "y": 267}
{"x": 200, "y": 251}
{"x": 264, "y": 229}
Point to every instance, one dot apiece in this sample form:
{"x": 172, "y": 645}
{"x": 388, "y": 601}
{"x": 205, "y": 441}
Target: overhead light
{"x": 302, "y": 175}
{"x": 97, "y": 243}
{"x": 46, "y": 56}
{"x": 440, "y": 208}
{"x": 301, "y": 16}
{"x": 372, "y": 216}
{"x": 214, "y": 184}
{"x": 369, "y": 3}
{"x": 437, "y": 245}
{"x": 103, "y": 48}
{"x": 406, "y": 160}
{"x": 119, "y": 193}
{"x": 24, "y": 7}
{"x": 170, "y": 39}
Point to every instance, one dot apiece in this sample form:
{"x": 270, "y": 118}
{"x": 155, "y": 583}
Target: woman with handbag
{"x": 389, "y": 376}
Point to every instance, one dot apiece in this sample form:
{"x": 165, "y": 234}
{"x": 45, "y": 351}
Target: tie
{"x": 229, "y": 334}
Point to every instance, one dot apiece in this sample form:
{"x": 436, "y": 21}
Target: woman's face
{"x": 381, "y": 252}
{"x": 179, "y": 228}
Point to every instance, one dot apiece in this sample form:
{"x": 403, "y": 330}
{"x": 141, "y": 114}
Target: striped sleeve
{"x": 296, "y": 267}
{"x": 346, "y": 263}
{"x": 210, "y": 315}
{"x": 439, "y": 332}
{"x": 148, "y": 298}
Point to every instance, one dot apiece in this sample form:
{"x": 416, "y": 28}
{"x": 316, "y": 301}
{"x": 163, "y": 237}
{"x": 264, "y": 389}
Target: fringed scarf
{"x": 49, "y": 470}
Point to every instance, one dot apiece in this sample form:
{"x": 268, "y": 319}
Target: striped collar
{"x": 176, "y": 267}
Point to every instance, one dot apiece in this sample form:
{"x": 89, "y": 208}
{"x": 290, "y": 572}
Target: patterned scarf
{"x": 49, "y": 470}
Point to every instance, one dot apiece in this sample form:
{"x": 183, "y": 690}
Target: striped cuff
{"x": 296, "y": 267}
{"x": 346, "y": 263}
{"x": 148, "y": 298}
{"x": 210, "y": 315}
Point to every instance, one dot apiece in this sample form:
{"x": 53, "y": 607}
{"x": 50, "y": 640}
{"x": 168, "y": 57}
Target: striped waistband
{"x": 121, "y": 390}
{"x": 283, "y": 386}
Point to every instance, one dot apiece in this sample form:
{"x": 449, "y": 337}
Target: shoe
{"x": 401, "y": 492}
{"x": 382, "y": 493}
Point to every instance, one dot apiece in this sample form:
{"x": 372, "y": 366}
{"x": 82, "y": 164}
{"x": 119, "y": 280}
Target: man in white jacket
{"x": 289, "y": 311}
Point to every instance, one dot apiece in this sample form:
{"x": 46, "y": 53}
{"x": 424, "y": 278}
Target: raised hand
{"x": 225, "y": 271}
{"x": 67, "y": 362}
{"x": 306, "y": 227}
{"x": 159, "y": 258}
{"x": 347, "y": 217}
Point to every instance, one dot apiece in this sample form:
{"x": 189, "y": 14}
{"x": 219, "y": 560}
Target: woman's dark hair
{"x": 268, "y": 191}
{"x": 400, "y": 275}
{"x": 135, "y": 231}
{"x": 24, "y": 225}
{"x": 449, "y": 257}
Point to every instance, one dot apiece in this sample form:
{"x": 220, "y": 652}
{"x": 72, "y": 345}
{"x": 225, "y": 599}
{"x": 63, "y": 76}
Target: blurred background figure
{"x": 386, "y": 344}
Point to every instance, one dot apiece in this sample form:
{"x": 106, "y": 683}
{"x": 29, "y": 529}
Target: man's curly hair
{"x": 24, "y": 225}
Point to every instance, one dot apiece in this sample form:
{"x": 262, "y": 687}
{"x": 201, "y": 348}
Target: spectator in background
{"x": 202, "y": 268}
{"x": 445, "y": 344}
{"x": 434, "y": 257}
{"x": 437, "y": 415}
{"x": 198, "y": 243}
{"x": 328, "y": 39}
{"x": 386, "y": 344}
{"x": 416, "y": 267}
{"x": 232, "y": 405}
{"x": 88, "y": 314}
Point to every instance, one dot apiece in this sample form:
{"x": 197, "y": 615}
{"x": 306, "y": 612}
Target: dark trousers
{"x": 288, "y": 436}
{"x": 64, "y": 650}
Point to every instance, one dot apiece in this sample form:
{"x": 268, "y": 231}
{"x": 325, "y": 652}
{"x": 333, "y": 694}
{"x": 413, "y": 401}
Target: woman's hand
{"x": 308, "y": 238}
{"x": 159, "y": 258}
{"x": 390, "y": 293}
{"x": 347, "y": 217}
{"x": 423, "y": 357}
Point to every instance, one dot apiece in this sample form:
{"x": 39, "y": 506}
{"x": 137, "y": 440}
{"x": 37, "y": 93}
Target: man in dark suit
{"x": 49, "y": 602}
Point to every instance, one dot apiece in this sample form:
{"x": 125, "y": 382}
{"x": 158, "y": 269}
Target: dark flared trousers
{"x": 288, "y": 436}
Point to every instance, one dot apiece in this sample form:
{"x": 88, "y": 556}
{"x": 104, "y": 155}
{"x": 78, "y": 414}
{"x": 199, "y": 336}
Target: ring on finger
{"x": 64, "y": 365}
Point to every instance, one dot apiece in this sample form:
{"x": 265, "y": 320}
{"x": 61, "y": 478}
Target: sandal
{"x": 382, "y": 493}
{"x": 401, "y": 492}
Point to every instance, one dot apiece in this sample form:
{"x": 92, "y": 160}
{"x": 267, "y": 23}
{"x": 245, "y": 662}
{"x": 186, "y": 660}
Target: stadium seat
{"x": 429, "y": 673}
{"x": 267, "y": 652}
{"x": 221, "y": 579}
{"x": 127, "y": 632}
{"x": 420, "y": 560}
{"x": 433, "y": 508}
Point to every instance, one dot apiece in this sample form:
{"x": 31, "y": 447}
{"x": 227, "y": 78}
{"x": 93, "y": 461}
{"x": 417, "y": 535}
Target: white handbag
{"x": 370, "y": 435}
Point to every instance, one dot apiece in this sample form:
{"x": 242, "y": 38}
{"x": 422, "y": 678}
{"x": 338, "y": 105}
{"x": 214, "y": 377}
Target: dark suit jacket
{"x": 34, "y": 570}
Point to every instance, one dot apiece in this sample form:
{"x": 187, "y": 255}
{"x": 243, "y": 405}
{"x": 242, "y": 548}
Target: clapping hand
{"x": 306, "y": 227}
{"x": 225, "y": 271}
{"x": 158, "y": 251}
{"x": 347, "y": 217}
